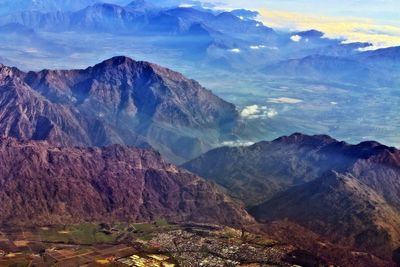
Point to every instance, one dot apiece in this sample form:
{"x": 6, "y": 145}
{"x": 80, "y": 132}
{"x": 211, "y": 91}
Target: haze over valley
{"x": 174, "y": 133}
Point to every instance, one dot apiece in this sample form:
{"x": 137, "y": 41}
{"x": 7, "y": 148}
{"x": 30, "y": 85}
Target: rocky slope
{"x": 348, "y": 194}
{"x": 117, "y": 101}
{"x": 342, "y": 208}
{"x": 256, "y": 173}
{"x": 43, "y": 184}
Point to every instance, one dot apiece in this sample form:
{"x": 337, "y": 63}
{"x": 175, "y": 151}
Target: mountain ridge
{"x": 43, "y": 184}
{"x": 122, "y": 101}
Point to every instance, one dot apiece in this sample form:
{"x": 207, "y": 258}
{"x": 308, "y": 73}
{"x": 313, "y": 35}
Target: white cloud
{"x": 235, "y": 50}
{"x": 367, "y": 48}
{"x": 258, "y": 112}
{"x": 284, "y": 100}
{"x": 334, "y": 103}
{"x": 249, "y": 111}
{"x": 257, "y": 47}
{"x": 355, "y": 29}
{"x": 296, "y": 38}
{"x": 237, "y": 143}
{"x": 186, "y": 5}
{"x": 271, "y": 113}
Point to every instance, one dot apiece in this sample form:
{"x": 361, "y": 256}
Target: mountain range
{"x": 43, "y": 185}
{"x": 98, "y": 143}
{"x": 346, "y": 193}
{"x": 58, "y": 117}
{"x": 235, "y": 40}
{"x": 221, "y": 31}
{"x": 117, "y": 101}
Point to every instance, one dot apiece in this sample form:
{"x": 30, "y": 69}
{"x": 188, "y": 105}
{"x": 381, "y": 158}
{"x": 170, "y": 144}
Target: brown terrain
{"x": 42, "y": 184}
{"x": 346, "y": 194}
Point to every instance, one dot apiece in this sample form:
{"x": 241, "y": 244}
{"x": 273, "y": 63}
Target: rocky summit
{"x": 117, "y": 101}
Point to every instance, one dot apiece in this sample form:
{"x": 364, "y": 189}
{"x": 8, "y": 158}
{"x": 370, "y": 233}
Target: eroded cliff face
{"x": 42, "y": 184}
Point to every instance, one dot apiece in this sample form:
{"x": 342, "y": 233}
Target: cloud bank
{"x": 346, "y": 28}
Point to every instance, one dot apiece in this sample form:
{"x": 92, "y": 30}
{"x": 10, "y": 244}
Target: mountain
{"x": 255, "y": 173}
{"x": 386, "y": 58}
{"x": 345, "y": 63}
{"x": 310, "y": 34}
{"x": 117, "y": 101}
{"x": 321, "y": 67}
{"x": 220, "y": 31}
{"x": 348, "y": 194}
{"x": 392, "y": 53}
{"x": 43, "y": 184}
{"x": 108, "y": 17}
{"x": 104, "y": 17}
{"x": 228, "y": 41}
{"x": 341, "y": 207}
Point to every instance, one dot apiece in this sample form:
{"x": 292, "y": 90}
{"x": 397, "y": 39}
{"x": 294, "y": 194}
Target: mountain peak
{"x": 127, "y": 64}
{"x": 118, "y": 60}
{"x": 302, "y": 139}
{"x": 6, "y": 71}
{"x": 122, "y": 63}
{"x": 311, "y": 34}
{"x": 120, "y": 100}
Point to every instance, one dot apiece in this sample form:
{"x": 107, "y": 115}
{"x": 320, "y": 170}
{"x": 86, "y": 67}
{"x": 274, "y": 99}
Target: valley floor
{"x": 150, "y": 244}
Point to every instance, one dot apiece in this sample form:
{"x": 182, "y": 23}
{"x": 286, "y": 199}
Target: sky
{"x": 375, "y": 21}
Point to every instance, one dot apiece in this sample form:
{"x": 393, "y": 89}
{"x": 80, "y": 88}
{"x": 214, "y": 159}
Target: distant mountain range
{"x": 372, "y": 68}
{"x": 234, "y": 41}
{"x": 347, "y": 193}
{"x": 117, "y": 101}
{"x": 206, "y": 34}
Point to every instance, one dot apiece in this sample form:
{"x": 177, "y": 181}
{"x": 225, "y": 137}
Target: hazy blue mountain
{"x": 234, "y": 37}
{"x": 372, "y": 71}
{"x": 387, "y": 58}
{"x": 392, "y": 53}
{"x": 320, "y": 67}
